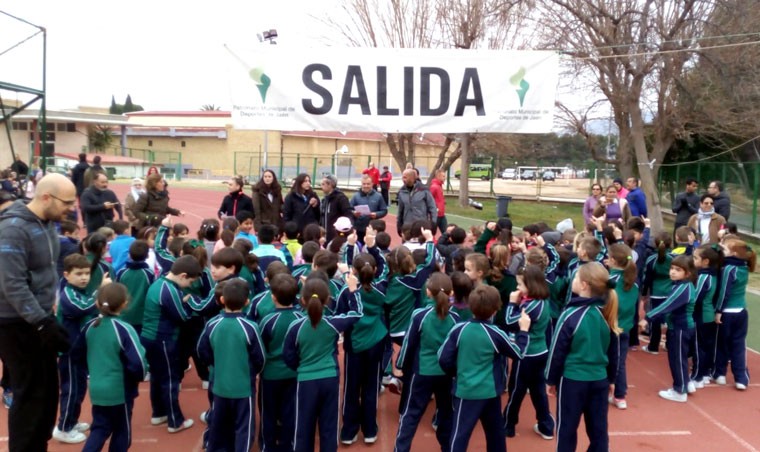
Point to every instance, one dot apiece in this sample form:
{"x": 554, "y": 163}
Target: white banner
{"x": 393, "y": 90}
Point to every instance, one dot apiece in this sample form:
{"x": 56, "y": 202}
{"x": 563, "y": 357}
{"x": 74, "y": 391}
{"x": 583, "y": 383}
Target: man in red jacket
{"x": 436, "y": 189}
{"x": 373, "y": 173}
{"x": 385, "y": 184}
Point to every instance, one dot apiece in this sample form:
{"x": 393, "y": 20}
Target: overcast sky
{"x": 169, "y": 55}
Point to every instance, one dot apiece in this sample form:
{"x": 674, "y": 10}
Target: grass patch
{"x": 753, "y": 333}
{"x": 520, "y": 212}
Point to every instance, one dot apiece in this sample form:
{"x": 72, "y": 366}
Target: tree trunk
{"x": 647, "y": 175}
{"x": 464, "y": 175}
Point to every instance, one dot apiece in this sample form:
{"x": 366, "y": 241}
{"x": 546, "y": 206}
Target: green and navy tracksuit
{"x": 164, "y": 258}
{"x": 232, "y": 344}
{"x": 527, "y": 374}
{"x": 312, "y": 351}
{"x": 261, "y": 306}
{"x": 363, "y": 344}
{"x": 419, "y": 359}
{"x": 96, "y": 276}
{"x": 705, "y": 340}
{"x": 732, "y": 331}
{"x": 583, "y": 359}
{"x": 657, "y": 285}
{"x": 628, "y": 303}
{"x": 505, "y": 285}
{"x": 277, "y": 387}
{"x": 75, "y": 308}
{"x": 557, "y": 285}
{"x": 679, "y": 307}
{"x": 138, "y": 277}
{"x": 164, "y": 313}
{"x": 475, "y": 352}
{"x": 116, "y": 363}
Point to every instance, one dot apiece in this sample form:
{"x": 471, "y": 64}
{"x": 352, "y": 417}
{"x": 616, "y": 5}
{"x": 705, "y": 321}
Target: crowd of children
{"x": 470, "y": 316}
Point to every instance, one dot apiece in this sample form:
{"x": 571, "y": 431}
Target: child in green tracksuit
{"x": 657, "y": 285}
{"x": 277, "y": 387}
{"x": 311, "y": 349}
{"x": 474, "y": 352}
{"x": 116, "y": 362}
{"x": 137, "y": 276}
{"x": 623, "y": 273}
{"x": 232, "y": 344}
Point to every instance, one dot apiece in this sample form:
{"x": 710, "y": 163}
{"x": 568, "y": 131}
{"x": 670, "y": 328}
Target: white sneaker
{"x": 184, "y": 426}
{"x": 699, "y": 384}
{"x": 395, "y": 385}
{"x": 204, "y": 385}
{"x": 71, "y": 437}
{"x": 203, "y": 418}
{"x": 651, "y": 352}
{"x": 147, "y": 376}
{"x": 741, "y": 386}
{"x": 82, "y": 427}
{"x": 706, "y": 380}
{"x": 673, "y": 396}
{"x": 721, "y": 380}
{"x": 538, "y": 432}
{"x": 691, "y": 388}
{"x": 348, "y": 442}
{"x": 370, "y": 440}
{"x": 386, "y": 380}
{"x": 620, "y": 404}
{"x": 159, "y": 420}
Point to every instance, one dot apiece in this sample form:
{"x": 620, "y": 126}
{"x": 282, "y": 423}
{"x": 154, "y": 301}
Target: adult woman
{"x": 236, "y": 200}
{"x": 591, "y": 202}
{"x": 616, "y": 209}
{"x": 153, "y": 205}
{"x": 301, "y": 204}
{"x": 267, "y": 201}
{"x": 706, "y": 221}
{"x": 129, "y": 204}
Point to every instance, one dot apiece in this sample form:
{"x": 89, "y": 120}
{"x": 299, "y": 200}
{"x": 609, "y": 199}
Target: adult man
{"x": 236, "y": 200}
{"x": 374, "y": 174}
{"x": 77, "y": 173}
{"x": 414, "y": 201}
{"x": 436, "y": 189}
{"x": 385, "y": 184}
{"x": 373, "y": 207}
{"x": 686, "y": 203}
{"x": 707, "y": 222}
{"x": 98, "y": 204}
{"x": 335, "y": 204}
{"x": 637, "y": 201}
{"x": 722, "y": 200}
{"x": 89, "y": 174}
{"x": 30, "y": 337}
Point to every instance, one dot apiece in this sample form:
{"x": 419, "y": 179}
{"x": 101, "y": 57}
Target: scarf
{"x": 705, "y": 215}
{"x": 136, "y": 193}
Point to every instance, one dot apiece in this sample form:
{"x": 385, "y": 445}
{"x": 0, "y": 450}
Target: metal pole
{"x": 266, "y": 150}
{"x": 43, "y": 124}
{"x": 757, "y": 193}
{"x": 491, "y": 176}
{"x": 298, "y": 164}
{"x": 314, "y": 172}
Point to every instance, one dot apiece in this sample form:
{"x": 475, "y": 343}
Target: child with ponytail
{"x": 657, "y": 284}
{"x": 311, "y": 349}
{"x": 623, "y": 273}
{"x": 461, "y": 289}
{"x": 679, "y": 307}
{"x": 708, "y": 259}
{"x": 419, "y": 360}
{"x": 116, "y": 362}
{"x": 527, "y": 373}
{"x": 583, "y": 358}
{"x": 731, "y": 312}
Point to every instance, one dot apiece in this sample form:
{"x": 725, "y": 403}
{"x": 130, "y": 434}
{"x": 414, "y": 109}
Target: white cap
{"x": 343, "y": 224}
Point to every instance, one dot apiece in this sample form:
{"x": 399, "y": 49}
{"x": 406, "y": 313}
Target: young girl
{"x": 116, "y": 363}
{"x": 363, "y": 345}
{"x": 461, "y": 289}
{"x": 731, "y": 313}
{"x": 209, "y": 234}
{"x": 583, "y": 358}
{"x": 527, "y": 374}
{"x": 148, "y": 233}
{"x": 474, "y": 352}
{"x": 657, "y": 284}
{"x": 311, "y": 349}
{"x": 419, "y": 358}
{"x": 623, "y": 273}
{"x": 680, "y": 309}
{"x": 94, "y": 248}
{"x": 708, "y": 259}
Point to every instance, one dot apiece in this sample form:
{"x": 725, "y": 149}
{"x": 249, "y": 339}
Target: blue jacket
{"x": 120, "y": 251}
{"x": 376, "y": 204}
{"x": 637, "y": 202}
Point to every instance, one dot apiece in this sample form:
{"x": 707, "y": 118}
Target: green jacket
{"x": 273, "y": 329}
{"x": 627, "y": 300}
{"x": 419, "y": 353}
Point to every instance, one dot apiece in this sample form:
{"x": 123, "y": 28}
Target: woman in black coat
{"x": 236, "y": 201}
{"x": 301, "y": 204}
{"x": 267, "y": 201}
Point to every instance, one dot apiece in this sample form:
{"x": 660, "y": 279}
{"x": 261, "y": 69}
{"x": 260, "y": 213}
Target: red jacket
{"x": 374, "y": 174}
{"x": 436, "y": 189}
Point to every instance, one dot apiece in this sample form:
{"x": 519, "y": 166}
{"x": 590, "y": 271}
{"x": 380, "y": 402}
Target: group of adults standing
{"x": 705, "y": 214}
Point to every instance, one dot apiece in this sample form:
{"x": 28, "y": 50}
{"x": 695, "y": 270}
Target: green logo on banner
{"x": 521, "y": 85}
{"x": 262, "y": 82}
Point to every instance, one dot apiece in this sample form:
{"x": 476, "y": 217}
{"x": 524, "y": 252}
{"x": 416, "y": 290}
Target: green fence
{"x": 168, "y": 162}
{"x": 740, "y": 180}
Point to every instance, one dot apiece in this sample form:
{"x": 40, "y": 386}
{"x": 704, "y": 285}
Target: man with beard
{"x": 335, "y": 204}
{"x": 98, "y": 204}
{"x": 414, "y": 202}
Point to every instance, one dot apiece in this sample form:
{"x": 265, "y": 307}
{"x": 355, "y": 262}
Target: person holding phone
{"x": 99, "y": 204}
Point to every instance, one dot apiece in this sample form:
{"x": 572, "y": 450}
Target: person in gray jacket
{"x": 375, "y": 203}
{"x": 415, "y": 202}
{"x": 30, "y": 336}
{"x": 686, "y": 203}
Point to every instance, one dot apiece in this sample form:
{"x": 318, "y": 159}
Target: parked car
{"x": 528, "y": 175}
{"x": 508, "y": 173}
{"x": 480, "y": 171}
{"x": 548, "y": 175}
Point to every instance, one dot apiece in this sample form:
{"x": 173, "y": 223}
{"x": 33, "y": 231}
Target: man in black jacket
{"x": 98, "y": 204}
{"x": 686, "y": 203}
{"x": 720, "y": 196}
{"x": 335, "y": 204}
{"x": 236, "y": 201}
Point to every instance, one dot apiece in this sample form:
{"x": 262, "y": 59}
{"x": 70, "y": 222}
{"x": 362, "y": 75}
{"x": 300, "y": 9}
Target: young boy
{"x": 684, "y": 238}
{"x": 245, "y": 230}
{"x": 232, "y": 344}
{"x": 308, "y": 251}
{"x": 291, "y": 238}
{"x": 266, "y": 251}
{"x": 69, "y": 239}
{"x": 474, "y": 353}
{"x": 120, "y": 245}
{"x": 383, "y": 242}
{"x": 138, "y": 277}
{"x": 263, "y": 304}
{"x": 75, "y": 308}
{"x": 165, "y": 310}
{"x": 278, "y": 381}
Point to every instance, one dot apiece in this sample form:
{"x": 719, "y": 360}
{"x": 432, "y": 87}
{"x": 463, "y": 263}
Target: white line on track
{"x": 663, "y": 433}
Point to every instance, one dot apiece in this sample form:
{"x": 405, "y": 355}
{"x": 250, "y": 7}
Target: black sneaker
{"x": 509, "y": 431}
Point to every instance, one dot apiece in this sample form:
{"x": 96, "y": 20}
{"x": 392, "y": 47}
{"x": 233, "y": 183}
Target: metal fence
{"x": 170, "y": 161}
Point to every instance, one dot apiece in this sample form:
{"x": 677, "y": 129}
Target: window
{"x": 50, "y": 137}
{"x": 71, "y": 127}
{"x": 61, "y": 126}
{"x": 20, "y": 126}
{"x": 182, "y": 143}
{"x": 150, "y": 142}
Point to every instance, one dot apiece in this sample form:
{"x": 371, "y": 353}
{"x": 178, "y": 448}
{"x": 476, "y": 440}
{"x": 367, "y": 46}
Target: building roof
{"x": 434, "y": 139}
{"x": 199, "y": 113}
{"x": 74, "y": 116}
{"x": 105, "y": 159}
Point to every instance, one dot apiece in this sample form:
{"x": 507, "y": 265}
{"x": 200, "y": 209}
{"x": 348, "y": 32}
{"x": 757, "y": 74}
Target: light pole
{"x": 267, "y": 35}
{"x": 342, "y": 150}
